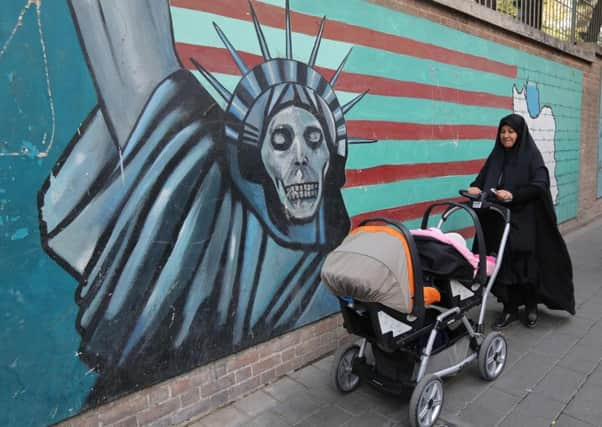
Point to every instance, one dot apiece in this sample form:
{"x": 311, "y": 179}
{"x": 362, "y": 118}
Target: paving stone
{"x": 298, "y": 408}
{"x": 228, "y": 416}
{"x": 524, "y": 375}
{"x": 256, "y": 403}
{"x": 325, "y": 364}
{"x": 284, "y": 389}
{"x": 590, "y": 309}
{"x": 489, "y": 408}
{"x": 556, "y": 344}
{"x": 560, "y": 384}
{"x": 596, "y": 376}
{"x": 574, "y": 325}
{"x": 354, "y": 403}
{"x": 536, "y": 410}
{"x": 369, "y": 418}
{"x": 460, "y": 390}
{"x": 310, "y": 376}
{"x": 268, "y": 419}
{"x": 581, "y": 358}
{"x": 566, "y": 421}
{"x": 331, "y": 415}
{"x": 586, "y": 405}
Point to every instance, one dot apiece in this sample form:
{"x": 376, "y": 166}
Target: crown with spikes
{"x": 286, "y": 75}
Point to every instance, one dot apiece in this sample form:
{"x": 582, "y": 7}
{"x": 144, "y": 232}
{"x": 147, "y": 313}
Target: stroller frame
{"x": 427, "y": 397}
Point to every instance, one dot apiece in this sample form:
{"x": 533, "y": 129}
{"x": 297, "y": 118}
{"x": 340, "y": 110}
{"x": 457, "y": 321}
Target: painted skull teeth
{"x": 302, "y": 191}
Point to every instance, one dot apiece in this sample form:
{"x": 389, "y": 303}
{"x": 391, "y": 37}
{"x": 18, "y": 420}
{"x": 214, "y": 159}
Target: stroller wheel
{"x": 426, "y": 401}
{"x": 342, "y": 376}
{"x": 492, "y": 356}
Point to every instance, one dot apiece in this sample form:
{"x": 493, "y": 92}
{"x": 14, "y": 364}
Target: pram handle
{"x": 482, "y": 272}
{"x": 487, "y": 200}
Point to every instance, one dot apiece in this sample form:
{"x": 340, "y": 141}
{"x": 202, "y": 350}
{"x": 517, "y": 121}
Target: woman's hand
{"x": 474, "y": 190}
{"x": 503, "y": 195}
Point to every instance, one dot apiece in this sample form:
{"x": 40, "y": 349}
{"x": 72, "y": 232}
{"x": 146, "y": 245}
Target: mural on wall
{"x": 191, "y": 208}
{"x": 39, "y": 148}
{"x": 541, "y": 123}
{"x": 202, "y": 232}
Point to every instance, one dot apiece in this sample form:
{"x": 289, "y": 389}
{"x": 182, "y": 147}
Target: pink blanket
{"x": 472, "y": 258}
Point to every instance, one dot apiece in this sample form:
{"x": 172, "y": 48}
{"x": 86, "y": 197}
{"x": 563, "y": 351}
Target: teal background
{"x": 41, "y": 379}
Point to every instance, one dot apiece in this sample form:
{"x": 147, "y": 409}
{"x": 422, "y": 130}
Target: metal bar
{"x": 498, "y": 264}
{"x": 455, "y": 368}
{"x": 573, "y": 20}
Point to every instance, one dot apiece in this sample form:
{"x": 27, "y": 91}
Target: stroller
{"x": 407, "y": 294}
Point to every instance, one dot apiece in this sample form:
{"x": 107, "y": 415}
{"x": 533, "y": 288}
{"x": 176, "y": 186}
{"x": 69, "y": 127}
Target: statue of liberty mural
{"x": 193, "y": 231}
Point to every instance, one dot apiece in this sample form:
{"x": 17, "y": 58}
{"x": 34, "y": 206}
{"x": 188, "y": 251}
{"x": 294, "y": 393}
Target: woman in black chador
{"x": 536, "y": 267}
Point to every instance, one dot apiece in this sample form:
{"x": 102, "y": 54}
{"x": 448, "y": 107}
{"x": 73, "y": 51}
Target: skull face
{"x": 296, "y": 157}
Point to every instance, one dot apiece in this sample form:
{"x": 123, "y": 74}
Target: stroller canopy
{"x": 374, "y": 264}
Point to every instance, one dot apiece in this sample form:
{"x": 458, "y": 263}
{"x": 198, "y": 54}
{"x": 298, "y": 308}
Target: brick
{"x": 159, "y": 394}
{"x": 245, "y": 358}
{"x": 123, "y": 408}
{"x": 159, "y": 411}
{"x": 268, "y": 376}
{"x": 266, "y": 364}
{"x": 190, "y": 397}
{"x": 180, "y": 385}
{"x": 243, "y": 374}
{"x": 128, "y": 422}
{"x": 87, "y": 419}
{"x": 220, "y": 384}
{"x": 195, "y": 410}
{"x": 243, "y": 388}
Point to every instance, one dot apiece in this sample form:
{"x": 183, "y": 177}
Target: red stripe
{"x": 392, "y": 173}
{"x": 273, "y": 16}
{"x": 402, "y": 213}
{"x": 218, "y": 60}
{"x": 414, "y": 131}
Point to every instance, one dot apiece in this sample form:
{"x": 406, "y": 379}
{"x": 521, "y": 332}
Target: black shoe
{"x": 505, "y": 320}
{"x": 531, "y": 318}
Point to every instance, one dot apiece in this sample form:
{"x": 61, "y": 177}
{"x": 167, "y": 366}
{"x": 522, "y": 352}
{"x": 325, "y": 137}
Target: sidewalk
{"x": 553, "y": 375}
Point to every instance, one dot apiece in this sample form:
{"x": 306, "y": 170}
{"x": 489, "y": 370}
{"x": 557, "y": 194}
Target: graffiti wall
{"x": 173, "y": 174}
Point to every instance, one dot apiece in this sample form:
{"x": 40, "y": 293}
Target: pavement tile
{"x": 536, "y": 410}
{"x": 330, "y": 416}
{"x": 566, "y": 421}
{"x": 255, "y": 403}
{"x": 460, "y": 390}
{"x": 581, "y": 358}
{"x": 489, "y": 408}
{"x": 228, "y": 416}
{"x": 325, "y": 364}
{"x": 587, "y": 404}
{"x": 310, "y": 376}
{"x": 370, "y": 418}
{"x": 560, "y": 384}
{"x": 590, "y": 309}
{"x": 524, "y": 375}
{"x": 555, "y": 344}
{"x": 596, "y": 376}
{"x": 268, "y": 419}
{"x": 298, "y": 408}
{"x": 354, "y": 402}
{"x": 284, "y": 389}
{"x": 574, "y": 325}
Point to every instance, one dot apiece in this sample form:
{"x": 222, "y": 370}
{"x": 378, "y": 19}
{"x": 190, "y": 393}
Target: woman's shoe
{"x": 531, "y": 318}
{"x": 505, "y": 320}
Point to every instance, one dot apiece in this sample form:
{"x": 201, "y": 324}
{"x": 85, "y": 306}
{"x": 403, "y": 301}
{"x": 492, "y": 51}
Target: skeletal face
{"x": 296, "y": 158}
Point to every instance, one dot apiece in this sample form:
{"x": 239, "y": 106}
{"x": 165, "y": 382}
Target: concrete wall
{"x": 157, "y": 203}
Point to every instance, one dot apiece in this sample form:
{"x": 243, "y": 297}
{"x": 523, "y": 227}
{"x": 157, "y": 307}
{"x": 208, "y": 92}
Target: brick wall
{"x": 226, "y": 380}
{"x": 218, "y": 383}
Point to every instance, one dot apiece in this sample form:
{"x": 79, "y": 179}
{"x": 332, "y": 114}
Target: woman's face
{"x": 508, "y": 136}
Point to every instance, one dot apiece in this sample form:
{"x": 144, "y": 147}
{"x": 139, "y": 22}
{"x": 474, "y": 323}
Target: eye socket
{"x": 282, "y": 138}
{"x": 313, "y": 136}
